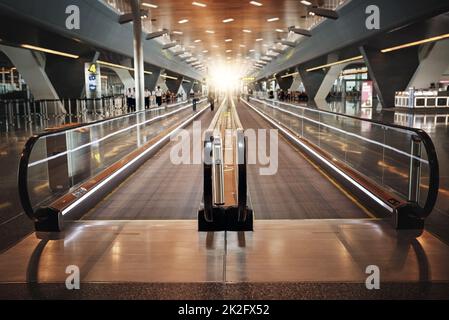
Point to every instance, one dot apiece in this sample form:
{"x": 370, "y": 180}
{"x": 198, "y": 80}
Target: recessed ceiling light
{"x": 252, "y": 50}
{"x": 177, "y": 32}
{"x": 242, "y": 46}
{"x": 279, "y": 30}
{"x": 260, "y": 39}
{"x": 192, "y": 47}
{"x": 306, "y": 3}
{"x": 149, "y": 5}
{"x": 210, "y": 31}
{"x": 214, "y": 46}
{"x": 196, "y": 41}
{"x": 228, "y": 40}
{"x": 272, "y": 19}
{"x": 228, "y": 20}
{"x": 255, "y": 3}
{"x": 183, "y": 21}
{"x": 246, "y": 31}
{"x": 229, "y": 50}
{"x": 205, "y": 51}
{"x": 199, "y": 4}
{"x": 311, "y": 13}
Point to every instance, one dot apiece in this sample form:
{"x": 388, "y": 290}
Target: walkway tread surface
{"x": 298, "y": 190}
{"x": 158, "y": 190}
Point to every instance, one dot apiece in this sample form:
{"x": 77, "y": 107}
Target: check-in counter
{"x": 422, "y": 99}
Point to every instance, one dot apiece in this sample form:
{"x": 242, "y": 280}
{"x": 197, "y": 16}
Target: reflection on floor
{"x": 325, "y": 255}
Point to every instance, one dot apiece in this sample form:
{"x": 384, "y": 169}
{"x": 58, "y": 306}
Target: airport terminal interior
{"x": 224, "y": 150}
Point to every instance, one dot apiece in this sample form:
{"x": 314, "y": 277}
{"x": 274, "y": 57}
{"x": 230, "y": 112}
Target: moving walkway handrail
{"x": 241, "y": 165}
{"x": 208, "y": 184}
{"x": 22, "y": 178}
{"x": 434, "y": 178}
{"x": 212, "y": 138}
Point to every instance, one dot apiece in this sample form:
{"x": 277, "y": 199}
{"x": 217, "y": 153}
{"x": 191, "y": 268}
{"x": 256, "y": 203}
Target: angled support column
{"x": 432, "y": 65}
{"x": 187, "y": 85}
{"x": 285, "y": 83}
{"x": 31, "y": 65}
{"x": 296, "y": 83}
{"x": 125, "y": 77}
{"x": 161, "y": 82}
{"x": 328, "y": 81}
{"x": 390, "y": 72}
{"x": 197, "y": 86}
{"x": 151, "y": 79}
{"x": 172, "y": 84}
{"x": 312, "y": 80}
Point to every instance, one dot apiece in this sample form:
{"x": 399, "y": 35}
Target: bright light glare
{"x": 226, "y": 77}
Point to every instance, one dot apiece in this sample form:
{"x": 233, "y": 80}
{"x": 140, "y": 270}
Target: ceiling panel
{"x": 208, "y": 38}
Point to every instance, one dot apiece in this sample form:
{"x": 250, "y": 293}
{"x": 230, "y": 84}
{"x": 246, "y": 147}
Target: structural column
{"x": 285, "y": 83}
{"x": 172, "y": 84}
{"x": 187, "y": 85}
{"x": 433, "y": 63}
{"x": 32, "y": 68}
{"x": 138, "y": 55}
{"x": 151, "y": 79}
{"x": 391, "y": 71}
{"x": 312, "y": 80}
{"x": 328, "y": 81}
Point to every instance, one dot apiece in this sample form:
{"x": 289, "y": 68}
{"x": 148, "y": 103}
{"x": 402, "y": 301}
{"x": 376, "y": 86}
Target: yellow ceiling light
{"x": 416, "y": 43}
{"x": 335, "y": 63}
{"x": 149, "y": 5}
{"x": 255, "y": 3}
{"x": 289, "y": 75}
{"x": 50, "y": 51}
{"x": 199, "y": 4}
{"x": 109, "y": 64}
{"x": 168, "y": 77}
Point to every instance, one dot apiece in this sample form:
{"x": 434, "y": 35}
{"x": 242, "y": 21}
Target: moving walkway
{"x": 134, "y": 238}
{"x": 393, "y": 170}
{"x": 65, "y": 172}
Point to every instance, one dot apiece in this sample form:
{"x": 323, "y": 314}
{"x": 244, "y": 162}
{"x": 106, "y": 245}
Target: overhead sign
{"x": 92, "y": 80}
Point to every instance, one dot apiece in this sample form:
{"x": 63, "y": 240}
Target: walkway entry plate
{"x": 225, "y": 219}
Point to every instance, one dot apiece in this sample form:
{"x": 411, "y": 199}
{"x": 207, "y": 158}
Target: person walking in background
{"x": 133, "y": 100}
{"x": 211, "y": 100}
{"x": 153, "y": 98}
{"x": 129, "y": 100}
{"x": 158, "y": 95}
{"x": 147, "y": 98}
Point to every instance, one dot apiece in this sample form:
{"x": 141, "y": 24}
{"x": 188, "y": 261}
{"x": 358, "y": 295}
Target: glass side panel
{"x": 379, "y": 152}
{"x": 61, "y": 161}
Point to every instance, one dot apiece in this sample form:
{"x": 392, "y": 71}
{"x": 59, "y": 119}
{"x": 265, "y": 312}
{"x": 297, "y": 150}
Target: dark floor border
{"x": 226, "y": 291}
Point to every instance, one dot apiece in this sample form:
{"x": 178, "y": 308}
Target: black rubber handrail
{"x": 22, "y": 176}
{"x": 434, "y": 175}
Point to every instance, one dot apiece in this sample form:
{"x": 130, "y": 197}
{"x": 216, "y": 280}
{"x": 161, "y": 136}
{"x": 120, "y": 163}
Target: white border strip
{"x": 327, "y": 162}
{"x": 112, "y": 176}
